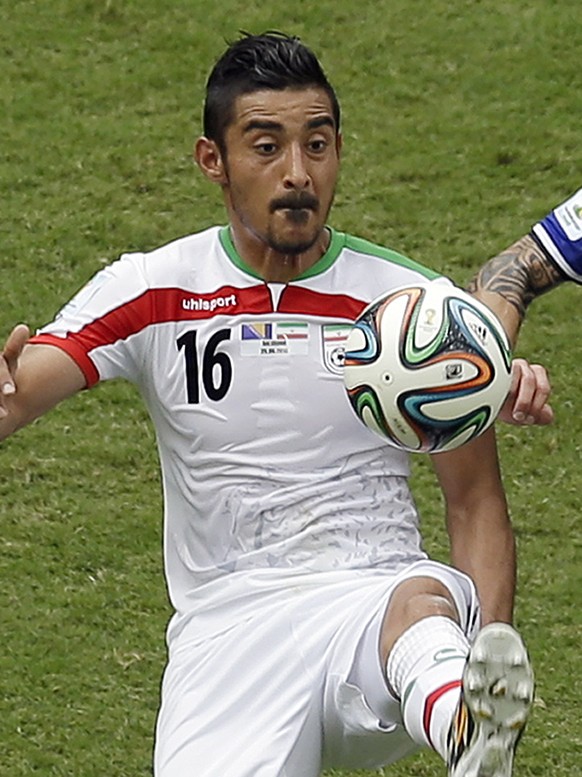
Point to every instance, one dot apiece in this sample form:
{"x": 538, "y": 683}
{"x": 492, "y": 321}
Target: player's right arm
{"x": 39, "y": 372}
{"x": 33, "y": 379}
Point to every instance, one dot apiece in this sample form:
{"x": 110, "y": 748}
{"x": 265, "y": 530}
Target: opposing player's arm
{"x": 540, "y": 261}
{"x": 508, "y": 282}
{"x": 33, "y": 379}
{"x": 478, "y": 524}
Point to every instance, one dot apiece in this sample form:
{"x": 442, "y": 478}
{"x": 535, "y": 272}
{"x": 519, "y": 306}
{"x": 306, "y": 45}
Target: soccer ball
{"x": 427, "y": 367}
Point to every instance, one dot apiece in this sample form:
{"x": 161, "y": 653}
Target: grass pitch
{"x": 461, "y": 128}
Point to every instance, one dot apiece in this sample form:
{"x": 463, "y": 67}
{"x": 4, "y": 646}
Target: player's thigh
{"x": 239, "y": 704}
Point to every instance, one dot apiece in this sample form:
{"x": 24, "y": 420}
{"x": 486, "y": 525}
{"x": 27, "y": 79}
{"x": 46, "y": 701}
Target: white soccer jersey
{"x": 264, "y": 462}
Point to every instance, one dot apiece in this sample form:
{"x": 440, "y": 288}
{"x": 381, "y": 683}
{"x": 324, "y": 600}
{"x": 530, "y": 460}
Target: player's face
{"x": 280, "y": 169}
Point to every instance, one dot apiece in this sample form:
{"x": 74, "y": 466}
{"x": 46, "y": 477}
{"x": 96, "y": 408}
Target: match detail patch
{"x": 272, "y": 338}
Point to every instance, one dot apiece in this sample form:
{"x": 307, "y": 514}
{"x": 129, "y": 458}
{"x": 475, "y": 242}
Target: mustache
{"x": 301, "y": 201}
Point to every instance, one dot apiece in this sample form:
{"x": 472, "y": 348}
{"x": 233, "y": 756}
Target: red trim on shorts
{"x": 430, "y": 703}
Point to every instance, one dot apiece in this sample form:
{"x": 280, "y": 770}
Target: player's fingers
{"x": 521, "y": 390}
{"x": 540, "y": 410}
{"x": 546, "y": 416}
{"x": 16, "y": 341}
{"x": 530, "y": 391}
{"x": 508, "y": 408}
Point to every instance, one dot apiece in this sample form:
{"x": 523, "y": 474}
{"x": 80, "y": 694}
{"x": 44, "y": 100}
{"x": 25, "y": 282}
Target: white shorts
{"x": 260, "y": 681}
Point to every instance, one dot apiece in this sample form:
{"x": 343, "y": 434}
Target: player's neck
{"x": 275, "y": 266}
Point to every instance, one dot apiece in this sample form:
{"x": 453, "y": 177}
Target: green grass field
{"x": 462, "y": 126}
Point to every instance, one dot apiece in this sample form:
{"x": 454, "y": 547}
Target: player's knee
{"x": 412, "y": 601}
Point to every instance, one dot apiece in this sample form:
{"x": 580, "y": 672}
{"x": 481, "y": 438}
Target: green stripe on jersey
{"x": 362, "y": 246}
{"x": 232, "y": 253}
{"x": 336, "y": 243}
{"x": 339, "y": 240}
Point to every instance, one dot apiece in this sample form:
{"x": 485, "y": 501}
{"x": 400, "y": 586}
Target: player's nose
{"x": 296, "y": 172}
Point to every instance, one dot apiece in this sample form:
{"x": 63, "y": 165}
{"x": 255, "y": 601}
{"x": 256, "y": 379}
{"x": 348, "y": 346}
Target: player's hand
{"x": 527, "y": 401}
{"x": 9, "y": 357}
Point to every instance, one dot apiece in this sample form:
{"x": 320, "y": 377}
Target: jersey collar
{"x": 336, "y": 243}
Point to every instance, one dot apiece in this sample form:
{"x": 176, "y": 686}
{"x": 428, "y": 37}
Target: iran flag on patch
{"x": 292, "y": 330}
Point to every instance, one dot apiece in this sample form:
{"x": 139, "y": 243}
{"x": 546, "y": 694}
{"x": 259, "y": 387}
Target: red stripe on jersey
{"x": 156, "y": 306}
{"x": 298, "y": 300}
{"x": 431, "y": 701}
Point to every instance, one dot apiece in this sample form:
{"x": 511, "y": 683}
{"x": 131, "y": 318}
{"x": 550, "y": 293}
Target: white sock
{"x": 424, "y": 668}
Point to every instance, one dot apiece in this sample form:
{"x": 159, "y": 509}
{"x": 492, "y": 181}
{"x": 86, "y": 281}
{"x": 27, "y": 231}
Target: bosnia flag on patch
{"x": 257, "y": 331}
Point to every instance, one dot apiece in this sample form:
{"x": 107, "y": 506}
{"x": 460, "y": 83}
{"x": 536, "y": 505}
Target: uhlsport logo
{"x": 205, "y": 304}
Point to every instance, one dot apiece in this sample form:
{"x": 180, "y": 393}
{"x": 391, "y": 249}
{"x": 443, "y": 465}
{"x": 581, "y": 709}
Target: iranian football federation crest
{"x": 334, "y": 340}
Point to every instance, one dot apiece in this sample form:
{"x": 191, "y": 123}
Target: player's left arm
{"x": 480, "y": 533}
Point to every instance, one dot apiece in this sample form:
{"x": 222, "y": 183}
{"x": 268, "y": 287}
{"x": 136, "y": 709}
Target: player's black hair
{"x": 271, "y": 60}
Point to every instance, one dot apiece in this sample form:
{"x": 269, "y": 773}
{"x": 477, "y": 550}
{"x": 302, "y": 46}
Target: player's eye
{"x": 266, "y": 147}
{"x": 318, "y": 145}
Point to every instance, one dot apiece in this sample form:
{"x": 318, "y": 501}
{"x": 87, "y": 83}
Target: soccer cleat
{"x": 496, "y": 697}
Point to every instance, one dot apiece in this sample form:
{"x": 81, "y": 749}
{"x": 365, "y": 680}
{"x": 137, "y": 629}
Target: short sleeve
{"x": 98, "y": 327}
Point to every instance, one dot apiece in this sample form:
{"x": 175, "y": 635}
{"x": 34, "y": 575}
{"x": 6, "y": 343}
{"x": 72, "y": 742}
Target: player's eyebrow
{"x": 276, "y": 126}
{"x": 262, "y": 124}
{"x": 321, "y": 121}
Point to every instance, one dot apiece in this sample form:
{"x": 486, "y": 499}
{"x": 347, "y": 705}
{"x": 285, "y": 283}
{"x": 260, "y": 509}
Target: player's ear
{"x": 209, "y": 159}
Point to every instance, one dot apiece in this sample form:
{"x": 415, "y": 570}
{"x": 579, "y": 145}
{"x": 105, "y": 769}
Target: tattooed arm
{"x": 512, "y": 279}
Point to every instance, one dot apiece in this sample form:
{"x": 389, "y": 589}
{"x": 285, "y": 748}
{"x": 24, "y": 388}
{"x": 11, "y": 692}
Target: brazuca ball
{"x": 427, "y": 367}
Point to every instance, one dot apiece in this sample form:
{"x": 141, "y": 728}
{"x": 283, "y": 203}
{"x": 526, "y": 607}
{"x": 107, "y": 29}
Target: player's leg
{"x": 364, "y": 725}
{"x": 424, "y": 648}
{"x": 468, "y": 703}
{"x": 247, "y": 680}
{"x": 238, "y": 704}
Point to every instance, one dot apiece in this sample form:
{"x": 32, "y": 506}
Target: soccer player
{"x": 310, "y": 627}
